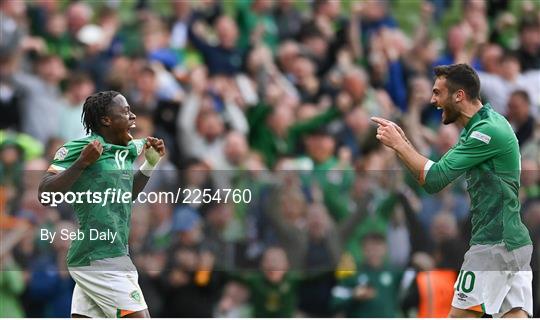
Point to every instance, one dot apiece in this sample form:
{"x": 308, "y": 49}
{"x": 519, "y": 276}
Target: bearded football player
{"x": 496, "y": 276}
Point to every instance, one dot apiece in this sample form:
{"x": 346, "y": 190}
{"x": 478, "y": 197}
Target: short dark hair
{"x": 43, "y": 59}
{"x": 96, "y": 106}
{"x": 529, "y": 22}
{"x": 523, "y": 94}
{"x": 460, "y": 76}
{"x": 375, "y": 235}
{"x": 317, "y": 4}
{"x": 78, "y": 78}
{"x": 509, "y": 55}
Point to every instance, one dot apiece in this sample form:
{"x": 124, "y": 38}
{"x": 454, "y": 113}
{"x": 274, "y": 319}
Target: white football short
{"x": 494, "y": 280}
{"x": 108, "y": 288}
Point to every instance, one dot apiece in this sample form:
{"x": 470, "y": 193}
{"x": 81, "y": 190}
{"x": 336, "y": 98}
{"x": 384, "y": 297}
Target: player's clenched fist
{"x": 154, "y": 149}
{"x": 90, "y": 154}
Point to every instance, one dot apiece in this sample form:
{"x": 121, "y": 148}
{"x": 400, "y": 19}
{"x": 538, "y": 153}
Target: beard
{"x": 450, "y": 112}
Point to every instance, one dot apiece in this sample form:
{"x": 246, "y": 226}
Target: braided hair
{"x": 96, "y": 106}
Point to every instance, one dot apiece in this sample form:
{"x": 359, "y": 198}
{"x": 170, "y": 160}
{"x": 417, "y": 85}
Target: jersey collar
{"x": 95, "y": 136}
{"x": 477, "y": 116}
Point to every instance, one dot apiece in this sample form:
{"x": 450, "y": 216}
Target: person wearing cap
{"x": 95, "y": 60}
{"x": 187, "y": 225}
{"x": 333, "y": 175}
{"x": 190, "y": 285}
{"x": 373, "y": 291}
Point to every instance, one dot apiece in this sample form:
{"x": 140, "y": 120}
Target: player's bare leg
{"x": 516, "y": 313}
{"x": 463, "y": 313}
{"x": 139, "y": 314}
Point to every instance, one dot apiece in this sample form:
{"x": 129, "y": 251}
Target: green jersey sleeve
{"x": 477, "y": 146}
{"x": 66, "y": 155}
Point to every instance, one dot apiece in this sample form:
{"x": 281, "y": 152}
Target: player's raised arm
{"x": 154, "y": 150}
{"x": 61, "y": 181}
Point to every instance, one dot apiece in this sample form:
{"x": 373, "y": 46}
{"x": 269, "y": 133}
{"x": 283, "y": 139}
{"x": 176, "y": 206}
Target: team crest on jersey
{"x": 61, "y": 154}
{"x": 135, "y": 295}
{"x": 386, "y": 279}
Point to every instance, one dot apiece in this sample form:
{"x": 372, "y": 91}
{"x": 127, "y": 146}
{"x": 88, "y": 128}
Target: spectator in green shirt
{"x": 256, "y": 23}
{"x": 373, "y": 291}
{"x": 273, "y": 290}
{"x": 333, "y": 176}
{"x": 273, "y": 131}
{"x": 58, "y": 41}
{"x": 11, "y": 287}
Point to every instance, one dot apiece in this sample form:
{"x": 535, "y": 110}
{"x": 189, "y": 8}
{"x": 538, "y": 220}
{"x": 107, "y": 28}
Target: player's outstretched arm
{"x": 154, "y": 149}
{"x": 392, "y": 136}
{"x": 62, "y": 182}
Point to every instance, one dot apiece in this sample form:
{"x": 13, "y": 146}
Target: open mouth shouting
{"x": 130, "y": 128}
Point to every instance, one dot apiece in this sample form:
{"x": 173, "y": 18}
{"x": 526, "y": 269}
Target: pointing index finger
{"x": 380, "y": 121}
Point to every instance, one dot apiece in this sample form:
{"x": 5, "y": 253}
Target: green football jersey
{"x": 386, "y": 283}
{"x": 104, "y": 218}
{"x": 488, "y": 153}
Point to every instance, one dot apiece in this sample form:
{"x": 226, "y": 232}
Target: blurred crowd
{"x": 275, "y": 97}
